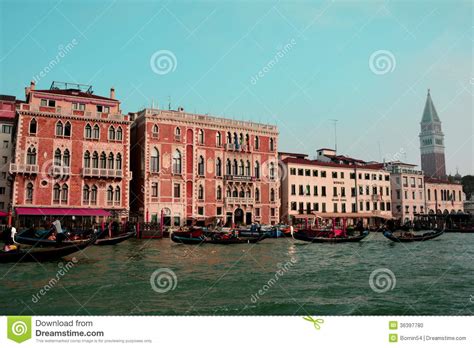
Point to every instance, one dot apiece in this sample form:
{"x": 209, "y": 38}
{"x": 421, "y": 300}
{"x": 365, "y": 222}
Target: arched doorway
{"x": 238, "y": 216}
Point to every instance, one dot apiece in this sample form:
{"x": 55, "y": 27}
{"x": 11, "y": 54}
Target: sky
{"x": 297, "y": 64}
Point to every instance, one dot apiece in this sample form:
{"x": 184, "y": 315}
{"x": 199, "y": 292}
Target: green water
{"x": 432, "y": 278}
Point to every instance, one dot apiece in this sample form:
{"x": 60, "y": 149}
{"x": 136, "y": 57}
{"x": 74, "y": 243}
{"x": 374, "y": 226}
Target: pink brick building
{"x": 72, "y": 151}
{"x": 192, "y": 167}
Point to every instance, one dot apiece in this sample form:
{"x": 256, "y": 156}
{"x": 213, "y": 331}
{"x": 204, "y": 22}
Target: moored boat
{"x": 187, "y": 239}
{"x": 115, "y": 239}
{"x": 406, "y": 237}
{"x": 216, "y": 238}
{"x": 40, "y": 238}
{"x": 324, "y": 237}
{"x": 269, "y": 232}
{"x": 42, "y": 254}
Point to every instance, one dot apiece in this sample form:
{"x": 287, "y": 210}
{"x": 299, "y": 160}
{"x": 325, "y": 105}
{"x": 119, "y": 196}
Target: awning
{"x": 3, "y": 214}
{"x": 61, "y": 211}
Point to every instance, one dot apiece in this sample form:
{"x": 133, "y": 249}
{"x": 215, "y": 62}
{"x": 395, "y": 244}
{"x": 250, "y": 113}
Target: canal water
{"x": 274, "y": 277}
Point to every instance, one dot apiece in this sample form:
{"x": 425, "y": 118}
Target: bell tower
{"x": 432, "y": 142}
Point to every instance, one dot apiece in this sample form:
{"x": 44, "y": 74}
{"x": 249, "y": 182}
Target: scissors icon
{"x": 316, "y": 322}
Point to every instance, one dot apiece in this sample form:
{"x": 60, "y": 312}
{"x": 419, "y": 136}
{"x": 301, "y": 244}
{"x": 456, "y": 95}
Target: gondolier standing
{"x": 60, "y": 236}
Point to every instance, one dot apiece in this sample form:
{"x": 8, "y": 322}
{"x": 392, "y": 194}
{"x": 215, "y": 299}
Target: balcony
{"x": 60, "y": 171}
{"x": 21, "y": 168}
{"x": 238, "y": 147}
{"x": 102, "y": 173}
{"x": 376, "y": 198}
{"x": 177, "y": 138}
{"x": 242, "y": 178}
{"x": 239, "y": 200}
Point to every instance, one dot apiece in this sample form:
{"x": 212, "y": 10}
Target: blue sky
{"x": 220, "y": 47}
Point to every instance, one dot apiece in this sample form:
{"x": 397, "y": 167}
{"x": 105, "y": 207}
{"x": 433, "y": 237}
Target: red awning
{"x": 2, "y": 214}
{"x": 61, "y": 211}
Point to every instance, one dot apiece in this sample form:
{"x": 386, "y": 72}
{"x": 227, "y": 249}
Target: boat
{"x": 271, "y": 232}
{"x": 42, "y": 254}
{"x": 405, "y": 237}
{"x": 235, "y": 240}
{"x": 114, "y": 240}
{"x": 217, "y": 238}
{"x": 187, "y": 239}
{"x": 40, "y": 238}
{"x": 324, "y": 237}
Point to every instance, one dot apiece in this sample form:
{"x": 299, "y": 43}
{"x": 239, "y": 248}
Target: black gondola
{"x": 302, "y": 235}
{"x": 31, "y": 237}
{"x": 187, "y": 239}
{"x": 214, "y": 239}
{"x": 404, "y": 238}
{"x": 114, "y": 240}
{"x": 42, "y": 254}
{"x": 237, "y": 240}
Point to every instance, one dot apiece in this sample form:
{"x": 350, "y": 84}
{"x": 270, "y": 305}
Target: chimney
{"x": 32, "y": 85}
{"x": 112, "y": 93}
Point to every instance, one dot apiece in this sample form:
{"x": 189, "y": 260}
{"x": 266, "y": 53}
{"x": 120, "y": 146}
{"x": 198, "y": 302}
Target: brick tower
{"x": 432, "y": 142}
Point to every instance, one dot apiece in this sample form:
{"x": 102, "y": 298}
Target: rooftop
{"x": 401, "y": 164}
{"x": 8, "y": 98}
{"x": 73, "y": 92}
{"x": 180, "y": 113}
{"x": 70, "y": 89}
{"x": 375, "y": 166}
{"x": 294, "y": 154}
{"x": 431, "y": 180}
{"x": 429, "y": 113}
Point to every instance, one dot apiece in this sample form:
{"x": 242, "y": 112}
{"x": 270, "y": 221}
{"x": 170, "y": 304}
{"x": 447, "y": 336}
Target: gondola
{"x": 114, "y": 240}
{"x": 42, "y": 254}
{"x": 39, "y": 238}
{"x": 269, "y": 233}
{"x": 413, "y": 238}
{"x": 236, "y": 240}
{"x": 215, "y": 239}
{"x": 187, "y": 239}
{"x": 323, "y": 238}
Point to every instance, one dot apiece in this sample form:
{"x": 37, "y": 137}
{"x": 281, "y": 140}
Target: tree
{"x": 468, "y": 185}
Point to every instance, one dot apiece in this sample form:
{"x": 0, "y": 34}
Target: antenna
{"x": 169, "y": 102}
{"x": 380, "y": 151}
{"x": 335, "y": 133}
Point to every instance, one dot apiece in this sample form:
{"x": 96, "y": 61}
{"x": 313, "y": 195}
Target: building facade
{"x": 71, "y": 151}
{"x": 408, "y": 190}
{"x": 7, "y": 121}
{"x": 432, "y": 150}
{"x": 443, "y": 197}
{"x": 332, "y": 186}
{"x": 192, "y": 167}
